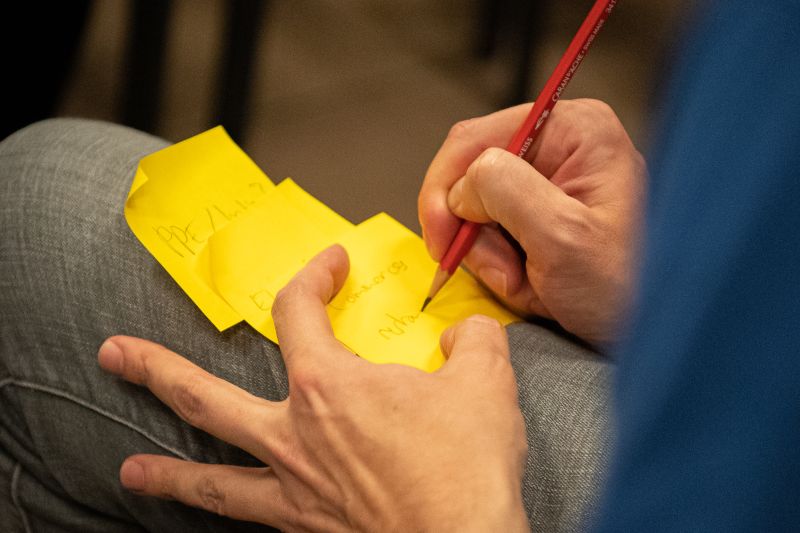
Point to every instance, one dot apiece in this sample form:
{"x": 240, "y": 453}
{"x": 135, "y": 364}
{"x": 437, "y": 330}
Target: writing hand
{"x": 575, "y": 210}
{"x": 355, "y": 446}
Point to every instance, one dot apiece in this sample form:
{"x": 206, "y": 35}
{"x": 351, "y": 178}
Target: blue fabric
{"x": 708, "y": 390}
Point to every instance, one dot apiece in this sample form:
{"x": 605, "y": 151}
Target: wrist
{"x": 485, "y": 508}
{"x": 495, "y": 513}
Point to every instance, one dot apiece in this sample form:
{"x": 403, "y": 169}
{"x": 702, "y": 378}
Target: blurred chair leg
{"x": 517, "y": 25}
{"x": 144, "y": 63}
{"x": 41, "y": 44}
{"x": 244, "y": 20}
{"x": 488, "y": 27}
{"x": 528, "y": 28}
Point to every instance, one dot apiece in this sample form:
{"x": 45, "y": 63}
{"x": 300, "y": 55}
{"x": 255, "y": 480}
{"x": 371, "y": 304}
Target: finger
{"x": 299, "y": 309}
{"x": 201, "y": 399}
{"x": 495, "y": 262}
{"x": 577, "y": 141}
{"x": 575, "y": 125}
{"x": 478, "y": 339}
{"x": 503, "y": 188}
{"x": 466, "y": 141}
{"x": 251, "y": 494}
{"x": 478, "y": 359}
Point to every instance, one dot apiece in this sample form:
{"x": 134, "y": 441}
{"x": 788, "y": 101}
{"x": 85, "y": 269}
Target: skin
{"x": 346, "y": 452}
{"x": 433, "y": 452}
{"x": 575, "y": 210}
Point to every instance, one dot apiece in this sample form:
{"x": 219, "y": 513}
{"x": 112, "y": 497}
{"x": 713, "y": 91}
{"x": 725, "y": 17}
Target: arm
{"x": 707, "y": 384}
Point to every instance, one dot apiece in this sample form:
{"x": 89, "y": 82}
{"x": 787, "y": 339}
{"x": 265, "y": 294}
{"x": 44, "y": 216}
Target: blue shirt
{"x": 708, "y": 387}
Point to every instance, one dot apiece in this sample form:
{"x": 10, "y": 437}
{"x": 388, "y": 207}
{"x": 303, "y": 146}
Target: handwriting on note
{"x": 351, "y": 297}
{"x": 231, "y": 240}
{"x": 398, "y": 326}
{"x": 189, "y": 238}
{"x": 377, "y": 311}
{"x": 180, "y": 197}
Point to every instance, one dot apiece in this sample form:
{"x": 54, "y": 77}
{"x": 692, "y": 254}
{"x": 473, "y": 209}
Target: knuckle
{"x": 499, "y": 364}
{"x": 141, "y": 368}
{"x": 211, "y": 497}
{"x": 161, "y": 483}
{"x": 573, "y": 228}
{"x": 486, "y": 170}
{"x": 595, "y": 120}
{"x": 189, "y": 400}
{"x": 284, "y": 298}
{"x": 305, "y": 379}
{"x": 569, "y": 235}
{"x": 597, "y": 106}
{"x": 489, "y": 161}
{"x": 486, "y": 328}
{"x": 462, "y": 129}
{"x": 603, "y": 114}
{"x": 287, "y": 453}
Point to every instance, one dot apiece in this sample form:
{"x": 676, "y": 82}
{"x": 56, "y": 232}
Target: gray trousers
{"x": 72, "y": 274}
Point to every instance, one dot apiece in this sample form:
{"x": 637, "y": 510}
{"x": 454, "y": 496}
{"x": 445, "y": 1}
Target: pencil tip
{"x": 427, "y": 301}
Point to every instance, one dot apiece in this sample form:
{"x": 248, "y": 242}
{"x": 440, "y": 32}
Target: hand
{"x": 356, "y": 446}
{"x": 575, "y": 210}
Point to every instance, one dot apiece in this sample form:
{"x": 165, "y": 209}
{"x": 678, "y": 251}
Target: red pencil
{"x": 527, "y": 132}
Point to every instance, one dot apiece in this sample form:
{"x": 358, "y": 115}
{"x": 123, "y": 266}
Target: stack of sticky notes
{"x": 231, "y": 239}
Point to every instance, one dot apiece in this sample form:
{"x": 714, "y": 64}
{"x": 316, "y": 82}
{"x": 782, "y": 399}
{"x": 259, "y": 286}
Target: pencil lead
{"x": 427, "y": 301}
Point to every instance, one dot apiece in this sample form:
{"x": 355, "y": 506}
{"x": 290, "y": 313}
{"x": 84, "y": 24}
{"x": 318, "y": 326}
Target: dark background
{"x": 351, "y": 98}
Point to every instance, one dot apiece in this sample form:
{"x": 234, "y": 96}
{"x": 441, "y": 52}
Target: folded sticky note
{"x": 253, "y": 258}
{"x": 232, "y": 240}
{"x": 182, "y": 195}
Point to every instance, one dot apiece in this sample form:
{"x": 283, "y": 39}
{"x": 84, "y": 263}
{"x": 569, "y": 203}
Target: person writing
{"x": 702, "y": 315}
{"x": 340, "y": 433}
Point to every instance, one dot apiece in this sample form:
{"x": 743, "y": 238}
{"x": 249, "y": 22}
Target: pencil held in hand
{"x": 527, "y": 132}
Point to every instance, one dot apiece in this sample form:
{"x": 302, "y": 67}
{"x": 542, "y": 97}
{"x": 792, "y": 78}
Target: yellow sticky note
{"x": 254, "y": 257}
{"x": 232, "y": 240}
{"x": 377, "y": 312}
{"x": 316, "y": 213}
{"x": 181, "y": 196}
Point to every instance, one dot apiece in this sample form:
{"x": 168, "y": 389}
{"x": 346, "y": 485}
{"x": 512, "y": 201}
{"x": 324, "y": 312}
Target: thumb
{"x": 476, "y": 339}
{"x": 504, "y": 188}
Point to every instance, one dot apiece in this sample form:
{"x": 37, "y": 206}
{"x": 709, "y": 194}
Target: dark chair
{"x": 145, "y": 54}
{"x": 40, "y": 43}
{"x": 517, "y": 26}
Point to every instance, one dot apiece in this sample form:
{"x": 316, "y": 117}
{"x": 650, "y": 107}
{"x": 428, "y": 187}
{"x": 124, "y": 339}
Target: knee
{"x": 70, "y": 155}
{"x": 61, "y": 137}
{"x": 35, "y": 132}
{"x": 58, "y": 174}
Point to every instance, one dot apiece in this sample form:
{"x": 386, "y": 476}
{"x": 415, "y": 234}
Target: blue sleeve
{"x": 708, "y": 387}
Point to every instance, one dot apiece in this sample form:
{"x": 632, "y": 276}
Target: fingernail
{"x": 495, "y": 279}
{"x": 454, "y": 197}
{"x": 110, "y": 357}
{"x": 483, "y": 319}
{"x": 131, "y": 475}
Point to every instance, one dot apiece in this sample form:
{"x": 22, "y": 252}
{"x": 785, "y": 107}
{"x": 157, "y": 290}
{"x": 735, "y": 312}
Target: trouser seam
{"x": 99, "y": 410}
{"x": 15, "y": 496}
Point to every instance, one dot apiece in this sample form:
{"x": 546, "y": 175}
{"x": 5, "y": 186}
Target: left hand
{"x": 355, "y": 446}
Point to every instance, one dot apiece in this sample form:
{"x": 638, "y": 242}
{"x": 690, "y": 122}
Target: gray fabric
{"x": 72, "y": 274}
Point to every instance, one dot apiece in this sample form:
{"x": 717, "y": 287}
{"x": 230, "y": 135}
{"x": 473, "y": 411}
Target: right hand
{"x": 575, "y": 209}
